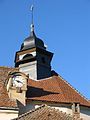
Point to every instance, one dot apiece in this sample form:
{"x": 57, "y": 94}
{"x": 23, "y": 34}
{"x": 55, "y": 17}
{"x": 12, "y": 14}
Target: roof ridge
{"x": 74, "y": 88}
{"x": 6, "y": 67}
{"x": 40, "y": 80}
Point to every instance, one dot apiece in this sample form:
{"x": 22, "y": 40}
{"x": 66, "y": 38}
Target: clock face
{"x": 18, "y": 81}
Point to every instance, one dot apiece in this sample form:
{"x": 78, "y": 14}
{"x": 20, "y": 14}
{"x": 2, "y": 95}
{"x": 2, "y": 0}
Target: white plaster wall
{"x": 29, "y": 68}
{"x": 8, "y": 114}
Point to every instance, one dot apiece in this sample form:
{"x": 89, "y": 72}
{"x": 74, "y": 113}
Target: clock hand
{"x": 18, "y": 81}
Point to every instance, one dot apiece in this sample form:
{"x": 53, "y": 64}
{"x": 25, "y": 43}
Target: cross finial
{"x": 32, "y": 23}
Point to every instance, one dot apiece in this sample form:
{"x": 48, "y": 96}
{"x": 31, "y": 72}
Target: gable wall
{"x": 8, "y": 114}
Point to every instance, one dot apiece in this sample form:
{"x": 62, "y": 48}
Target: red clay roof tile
{"x": 54, "y": 89}
{"x": 45, "y": 113}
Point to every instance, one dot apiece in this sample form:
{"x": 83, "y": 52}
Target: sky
{"x": 64, "y": 26}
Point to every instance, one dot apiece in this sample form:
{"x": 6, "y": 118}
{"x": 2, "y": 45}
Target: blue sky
{"x": 64, "y": 26}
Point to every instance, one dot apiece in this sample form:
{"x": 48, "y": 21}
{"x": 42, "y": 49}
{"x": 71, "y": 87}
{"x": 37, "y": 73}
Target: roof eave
{"x": 28, "y": 100}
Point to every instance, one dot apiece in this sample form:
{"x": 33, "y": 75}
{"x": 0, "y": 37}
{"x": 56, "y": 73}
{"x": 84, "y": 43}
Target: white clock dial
{"x": 18, "y": 81}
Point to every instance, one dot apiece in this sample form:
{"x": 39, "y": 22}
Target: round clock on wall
{"x": 18, "y": 81}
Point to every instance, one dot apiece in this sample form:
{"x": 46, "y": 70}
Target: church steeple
{"x": 33, "y": 58}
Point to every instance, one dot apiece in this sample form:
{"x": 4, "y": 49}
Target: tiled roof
{"x": 4, "y": 98}
{"x": 4, "y": 71}
{"x": 5, "y": 101}
{"x": 54, "y": 89}
{"x": 45, "y": 113}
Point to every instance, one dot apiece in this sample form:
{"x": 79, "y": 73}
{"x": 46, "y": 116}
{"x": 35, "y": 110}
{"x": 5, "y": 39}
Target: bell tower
{"x": 33, "y": 58}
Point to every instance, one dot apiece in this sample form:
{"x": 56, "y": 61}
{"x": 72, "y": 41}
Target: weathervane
{"x": 32, "y": 22}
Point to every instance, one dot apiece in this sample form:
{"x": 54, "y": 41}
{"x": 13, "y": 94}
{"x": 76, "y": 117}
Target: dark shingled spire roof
{"x": 32, "y": 41}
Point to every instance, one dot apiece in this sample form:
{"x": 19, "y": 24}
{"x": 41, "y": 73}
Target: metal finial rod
{"x": 32, "y": 10}
{"x": 32, "y": 21}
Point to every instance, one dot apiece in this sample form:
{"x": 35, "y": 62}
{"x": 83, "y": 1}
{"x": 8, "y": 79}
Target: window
{"x": 76, "y": 107}
{"x": 27, "y": 56}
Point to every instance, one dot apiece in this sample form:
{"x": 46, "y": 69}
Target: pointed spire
{"x": 32, "y": 22}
